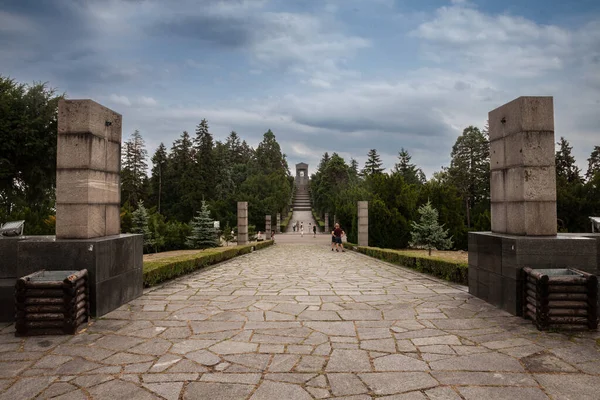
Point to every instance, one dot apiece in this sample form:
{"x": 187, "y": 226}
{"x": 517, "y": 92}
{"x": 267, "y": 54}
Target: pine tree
{"x": 470, "y": 168}
{"x": 178, "y": 181}
{"x": 227, "y": 234}
{"x": 141, "y": 226}
{"x": 565, "y": 163}
{"x": 408, "y": 171}
{"x": 204, "y": 146}
{"x": 353, "y": 167}
{"x": 159, "y": 170}
{"x": 268, "y": 155}
{"x": 133, "y": 169}
{"x": 204, "y": 234}
{"x": 373, "y": 165}
{"x": 593, "y": 164}
{"x": 428, "y": 232}
{"x": 323, "y": 162}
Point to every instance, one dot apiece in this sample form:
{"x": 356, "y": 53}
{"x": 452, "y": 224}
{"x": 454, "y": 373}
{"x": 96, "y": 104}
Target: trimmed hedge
{"x": 452, "y": 271}
{"x": 285, "y": 223}
{"x": 320, "y": 222}
{"x": 159, "y": 271}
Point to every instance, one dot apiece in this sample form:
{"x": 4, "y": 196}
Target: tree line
{"x": 460, "y": 192}
{"x": 197, "y": 167}
{"x": 197, "y": 170}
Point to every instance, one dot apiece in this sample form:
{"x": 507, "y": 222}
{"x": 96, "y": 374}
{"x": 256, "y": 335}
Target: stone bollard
{"x": 363, "y": 223}
{"x": 327, "y": 223}
{"x": 267, "y": 227}
{"x": 278, "y": 228}
{"x": 242, "y": 222}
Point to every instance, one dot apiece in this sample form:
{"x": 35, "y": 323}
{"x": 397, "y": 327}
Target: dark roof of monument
{"x": 301, "y": 165}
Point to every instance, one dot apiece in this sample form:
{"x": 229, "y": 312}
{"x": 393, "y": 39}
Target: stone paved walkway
{"x": 302, "y": 322}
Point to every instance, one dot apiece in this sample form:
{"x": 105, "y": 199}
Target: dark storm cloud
{"x": 226, "y": 31}
{"x": 363, "y": 123}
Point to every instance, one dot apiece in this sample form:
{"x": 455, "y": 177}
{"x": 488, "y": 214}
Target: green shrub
{"x": 452, "y": 271}
{"x": 285, "y": 223}
{"x": 158, "y": 271}
{"x": 320, "y": 222}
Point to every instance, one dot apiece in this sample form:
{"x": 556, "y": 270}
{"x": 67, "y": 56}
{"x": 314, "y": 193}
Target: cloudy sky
{"x": 324, "y": 75}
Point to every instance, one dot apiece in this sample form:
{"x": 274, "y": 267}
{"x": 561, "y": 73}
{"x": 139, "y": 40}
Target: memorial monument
{"x": 88, "y": 197}
{"x": 523, "y": 208}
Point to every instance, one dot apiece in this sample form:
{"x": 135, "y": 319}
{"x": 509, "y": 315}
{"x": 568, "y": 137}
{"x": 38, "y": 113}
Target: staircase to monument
{"x": 302, "y": 215}
{"x": 302, "y": 199}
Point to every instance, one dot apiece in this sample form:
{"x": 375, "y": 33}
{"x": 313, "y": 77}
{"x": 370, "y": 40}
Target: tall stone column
{"x": 267, "y": 227}
{"x": 88, "y": 163}
{"x": 242, "y": 222}
{"x": 522, "y": 161}
{"x": 327, "y": 223}
{"x": 278, "y": 229}
{"x": 363, "y": 223}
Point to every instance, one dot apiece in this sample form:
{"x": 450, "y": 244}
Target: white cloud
{"x": 120, "y": 100}
{"x": 147, "y": 101}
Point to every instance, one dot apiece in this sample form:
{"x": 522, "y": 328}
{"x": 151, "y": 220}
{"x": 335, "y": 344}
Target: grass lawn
{"x": 457, "y": 255}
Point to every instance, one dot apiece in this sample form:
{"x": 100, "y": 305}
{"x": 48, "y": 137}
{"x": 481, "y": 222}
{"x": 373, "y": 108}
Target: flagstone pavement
{"x": 301, "y": 322}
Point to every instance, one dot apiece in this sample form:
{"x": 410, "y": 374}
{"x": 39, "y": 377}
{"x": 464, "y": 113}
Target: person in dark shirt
{"x": 315, "y": 230}
{"x": 337, "y": 233}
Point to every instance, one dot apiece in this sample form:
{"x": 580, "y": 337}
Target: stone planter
{"x": 560, "y": 298}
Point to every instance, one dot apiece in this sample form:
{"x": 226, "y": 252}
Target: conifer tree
{"x": 133, "y": 170}
{"x": 593, "y": 164}
{"x": 141, "y": 226}
{"x": 159, "y": 170}
{"x": 204, "y": 234}
{"x": 428, "y": 232}
{"x": 373, "y": 165}
{"x": 205, "y": 162}
{"x": 565, "y": 163}
{"x": 407, "y": 170}
{"x": 470, "y": 168}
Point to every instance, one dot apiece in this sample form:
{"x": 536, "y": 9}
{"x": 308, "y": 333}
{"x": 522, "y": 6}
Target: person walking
{"x": 337, "y": 234}
{"x": 314, "y": 231}
{"x": 293, "y": 226}
{"x": 301, "y": 230}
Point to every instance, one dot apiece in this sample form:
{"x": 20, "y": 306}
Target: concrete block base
{"x": 496, "y": 262}
{"x": 114, "y": 264}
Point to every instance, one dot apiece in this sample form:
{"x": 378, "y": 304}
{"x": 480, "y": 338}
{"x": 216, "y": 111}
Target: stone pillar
{"x": 267, "y": 227}
{"x": 88, "y": 163}
{"x": 242, "y": 222}
{"x": 522, "y": 161}
{"x": 327, "y": 223}
{"x": 278, "y": 229}
{"x": 334, "y": 219}
{"x": 363, "y": 223}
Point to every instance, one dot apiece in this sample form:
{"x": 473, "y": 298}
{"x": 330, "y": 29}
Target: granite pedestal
{"x": 114, "y": 264}
{"x": 496, "y": 261}
{"x": 8, "y": 276}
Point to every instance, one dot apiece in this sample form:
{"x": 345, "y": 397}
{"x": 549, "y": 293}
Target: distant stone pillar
{"x": 267, "y": 227}
{"x": 522, "y": 163}
{"x": 335, "y": 219}
{"x": 363, "y": 223}
{"x": 327, "y": 223}
{"x": 278, "y": 229}
{"x": 242, "y": 222}
{"x": 88, "y": 163}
